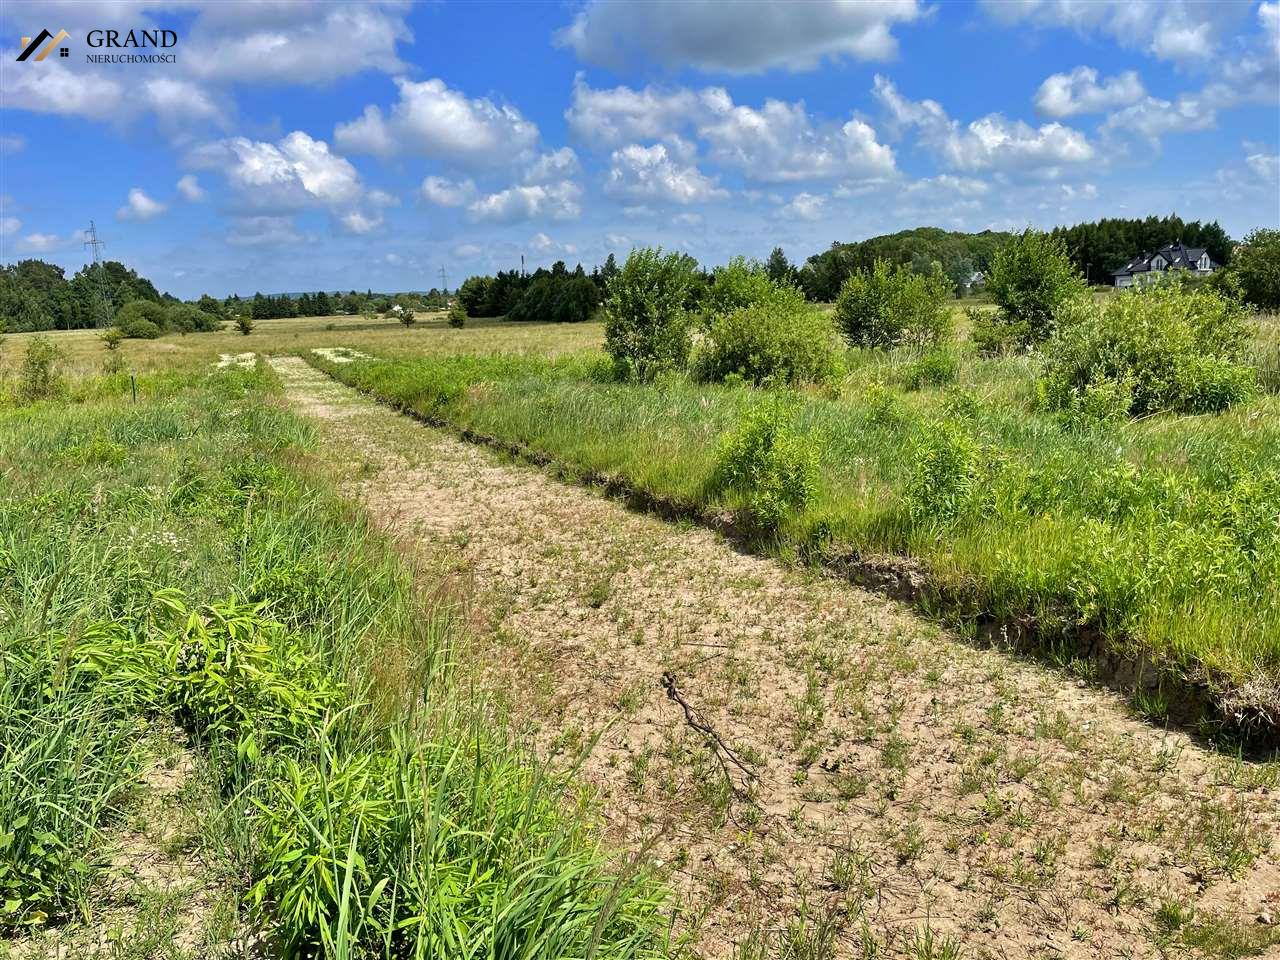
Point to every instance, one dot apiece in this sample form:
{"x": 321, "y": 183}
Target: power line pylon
{"x": 101, "y": 301}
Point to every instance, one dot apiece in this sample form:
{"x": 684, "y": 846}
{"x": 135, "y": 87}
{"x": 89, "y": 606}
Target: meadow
{"x": 184, "y": 587}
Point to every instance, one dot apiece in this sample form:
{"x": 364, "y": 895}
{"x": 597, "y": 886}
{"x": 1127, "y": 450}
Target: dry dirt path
{"x": 907, "y": 785}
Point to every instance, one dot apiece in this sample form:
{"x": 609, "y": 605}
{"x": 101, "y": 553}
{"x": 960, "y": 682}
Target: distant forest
{"x": 35, "y": 295}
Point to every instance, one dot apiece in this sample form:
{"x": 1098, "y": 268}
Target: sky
{"x": 328, "y": 145}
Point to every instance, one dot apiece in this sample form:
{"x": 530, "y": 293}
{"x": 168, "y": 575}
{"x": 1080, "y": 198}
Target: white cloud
{"x": 263, "y": 232}
{"x": 140, "y": 207}
{"x": 554, "y": 201}
{"x": 778, "y": 143}
{"x": 467, "y": 251}
{"x": 190, "y": 189}
{"x": 12, "y": 144}
{"x": 46, "y": 242}
{"x": 947, "y": 184}
{"x": 360, "y": 223}
{"x": 294, "y": 43}
{"x": 990, "y": 143}
{"x": 651, "y": 173}
{"x": 1177, "y": 30}
{"x": 294, "y": 173}
{"x": 1152, "y": 118}
{"x": 1066, "y": 94}
{"x": 381, "y": 198}
{"x": 803, "y": 206}
{"x": 1266, "y": 166}
{"x": 557, "y": 165}
{"x": 621, "y": 115}
{"x": 688, "y": 219}
{"x": 541, "y": 243}
{"x": 619, "y": 240}
{"x": 433, "y": 120}
{"x": 1086, "y": 191}
{"x": 448, "y": 193}
{"x": 736, "y": 36}
{"x": 55, "y": 88}
{"x": 9, "y": 226}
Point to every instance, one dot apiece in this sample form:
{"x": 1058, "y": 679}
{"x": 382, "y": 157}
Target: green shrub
{"x": 740, "y": 283}
{"x": 894, "y": 305}
{"x": 994, "y": 331}
{"x": 1256, "y": 268}
{"x": 111, "y": 337}
{"x": 138, "y": 329}
{"x": 575, "y": 301}
{"x": 38, "y": 377}
{"x": 945, "y": 476}
{"x": 779, "y": 339}
{"x": 187, "y": 318}
{"x": 1164, "y": 346}
{"x": 457, "y": 315}
{"x": 244, "y": 323}
{"x": 1032, "y": 280}
{"x": 646, "y": 321}
{"x": 136, "y": 311}
{"x": 769, "y": 465}
{"x": 933, "y": 368}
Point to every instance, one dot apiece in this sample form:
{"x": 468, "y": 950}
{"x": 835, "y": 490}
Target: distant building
{"x": 1152, "y": 266}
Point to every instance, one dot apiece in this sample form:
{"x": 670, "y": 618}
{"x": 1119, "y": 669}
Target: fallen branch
{"x": 723, "y": 752}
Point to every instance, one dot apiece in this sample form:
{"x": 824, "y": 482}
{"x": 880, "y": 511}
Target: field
{"x": 518, "y": 671}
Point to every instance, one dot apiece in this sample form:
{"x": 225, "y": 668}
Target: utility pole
{"x": 101, "y": 304}
{"x": 444, "y": 282}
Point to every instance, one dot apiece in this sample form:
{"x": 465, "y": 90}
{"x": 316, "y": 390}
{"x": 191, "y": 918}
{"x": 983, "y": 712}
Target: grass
{"x": 1155, "y": 540}
{"x": 182, "y": 560}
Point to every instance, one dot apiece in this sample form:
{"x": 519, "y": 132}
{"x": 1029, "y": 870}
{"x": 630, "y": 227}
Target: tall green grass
{"x": 173, "y": 560}
{"x": 1160, "y": 537}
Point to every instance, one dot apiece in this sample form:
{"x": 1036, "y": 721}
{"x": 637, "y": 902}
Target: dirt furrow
{"x": 902, "y": 785}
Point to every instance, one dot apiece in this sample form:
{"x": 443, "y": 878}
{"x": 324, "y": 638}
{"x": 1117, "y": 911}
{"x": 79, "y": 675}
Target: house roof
{"x": 1176, "y": 255}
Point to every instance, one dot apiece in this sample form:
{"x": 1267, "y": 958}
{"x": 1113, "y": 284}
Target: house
{"x": 1152, "y": 266}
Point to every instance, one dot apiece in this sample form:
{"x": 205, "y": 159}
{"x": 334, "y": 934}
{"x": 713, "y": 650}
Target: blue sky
{"x": 336, "y": 145}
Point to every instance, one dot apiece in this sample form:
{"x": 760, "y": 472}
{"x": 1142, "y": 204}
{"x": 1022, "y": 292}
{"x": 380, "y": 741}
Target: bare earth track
{"x": 906, "y": 785}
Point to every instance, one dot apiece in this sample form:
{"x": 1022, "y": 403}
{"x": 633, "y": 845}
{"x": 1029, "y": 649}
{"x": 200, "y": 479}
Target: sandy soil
{"x": 900, "y": 792}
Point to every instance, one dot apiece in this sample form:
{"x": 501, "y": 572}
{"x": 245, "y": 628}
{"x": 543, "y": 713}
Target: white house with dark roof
{"x": 1152, "y": 266}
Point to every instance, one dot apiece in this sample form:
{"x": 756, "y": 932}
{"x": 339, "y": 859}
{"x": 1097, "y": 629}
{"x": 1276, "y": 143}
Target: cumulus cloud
{"x": 803, "y": 206}
{"x": 448, "y": 193}
{"x": 990, "y": 143}
{"x": 381, "y": 198}
{"x": 467, "y": 251}
{"x": 1067, "y": 94}
{"x": 430, "y": 119}
{"x": 1152, "y": 118}
{"x": 293, "y": 173}
{"x": 140, "y": 207}
{"x": 1177, "y": 30}
{"x": 542, "y": 243}
{"x": 360, "y": 223}
{"x": 778, "y": 142}
{"x": 736, "y": 36}
{"x": 1266, "y": 166}
{"x": 189, "y": 188}
{"x": 653, "y": 173}
{"x": 553, "y": 201}
{"x": 557, "y": 165}
{"x": 262, "y": 232}
{"x": 9, "y": 226}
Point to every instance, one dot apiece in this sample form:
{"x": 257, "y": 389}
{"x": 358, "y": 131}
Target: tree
{"x": 739, "y": 283}
{"x": 1032, "y": 280}
{"x": 892, "y": 304}
{"x": 779, "y": 268}
{"x": 646, "y": 327}
{"x": 1256, "y": 268}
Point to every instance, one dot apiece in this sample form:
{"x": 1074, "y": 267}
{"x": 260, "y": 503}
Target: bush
{"x": 740, "y": 283}
{"x": 773, "y": 468}
{"x": 894, "y": 305}
{"x": 933, "y": 368}
{"x": 1032, "y": 280}
{"x": 244, "y": 323}
{"x": 1256, "y": 268}
{"x": 575, "y": 301}
{"x": 457, "y": 315}
{"x": 946, "y": 475}
{"x": 993, "y": 331}
{"x": 646, "y": 322}
{"x": 136, "y": 310}
{"x": 111, "y": 337}
{"x": 404, "y": 314}
{"x": 186, "y": 318}
{"x": 138, "y": 329}
{"x": 38, "y": 377}
{"x": 780, "y": 339}
{"x": 1162, "y": 346}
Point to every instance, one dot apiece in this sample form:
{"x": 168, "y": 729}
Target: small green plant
{"x": 933, "y": 368}
{"x": 767, "y": 463}
{"x": 1032, "y": 280}
{"x": 892, "y": 305}
{"x": 646, "y": 315}
{"x": 457, "y": 315}
{"x": 111, "y": 337}
{"x": 779, "y": 339}
{"x": 244, "y": 323}
{"x": 946, "y": 474}
{"x": 1158, "y": 347}
{"x": 38, "y": 377}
